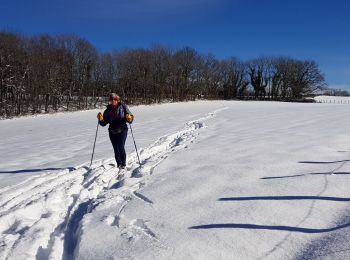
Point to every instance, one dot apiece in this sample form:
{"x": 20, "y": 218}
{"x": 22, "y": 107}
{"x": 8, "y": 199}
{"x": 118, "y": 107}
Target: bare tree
{"x": 49, "y": 73}
{"x": 258, "y": 71}
{"x": 233, "y": 76}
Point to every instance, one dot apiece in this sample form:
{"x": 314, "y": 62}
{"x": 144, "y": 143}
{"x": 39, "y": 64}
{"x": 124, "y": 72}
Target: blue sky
{"x": 309, "y": 29}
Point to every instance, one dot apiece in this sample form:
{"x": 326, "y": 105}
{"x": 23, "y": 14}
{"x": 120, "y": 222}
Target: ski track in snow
{"x": 40, "y": 218}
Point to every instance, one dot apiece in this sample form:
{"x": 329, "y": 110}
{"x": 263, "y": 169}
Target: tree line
{"x": 46, "y": 73}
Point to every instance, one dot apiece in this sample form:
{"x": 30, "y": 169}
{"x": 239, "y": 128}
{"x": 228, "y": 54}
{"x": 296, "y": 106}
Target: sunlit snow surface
{"x": 219, "y": 180}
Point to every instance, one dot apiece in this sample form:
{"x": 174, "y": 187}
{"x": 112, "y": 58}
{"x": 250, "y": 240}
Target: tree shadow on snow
{"x": 277, "y": 227}
{"x": 284, "y": 198}
{"x": 312, "y": 162}
{"x": 281, "y": 198}
{"x": 273, "y": 228}
{"x": 38, "y": 170}
{"x": 305, "y": 174}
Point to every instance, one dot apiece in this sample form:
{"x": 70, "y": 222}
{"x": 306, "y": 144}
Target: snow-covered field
{"x": 333, "y": 100}
{"x": 219, "y": 180}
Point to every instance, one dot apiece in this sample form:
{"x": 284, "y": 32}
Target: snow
{"x": 47, "y": 143}
{"x": 219, "y": 180}
{"x": 333, "y": 99}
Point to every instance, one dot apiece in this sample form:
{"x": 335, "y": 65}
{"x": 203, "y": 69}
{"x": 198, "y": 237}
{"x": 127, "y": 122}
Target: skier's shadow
{"x": 37, "y": 170}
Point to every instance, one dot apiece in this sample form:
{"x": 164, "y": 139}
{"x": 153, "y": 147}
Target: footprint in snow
{"x": 137, "y": 228}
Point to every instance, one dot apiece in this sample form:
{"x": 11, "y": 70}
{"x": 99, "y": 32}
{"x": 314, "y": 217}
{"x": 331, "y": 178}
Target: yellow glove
{"x": 100, "y": 116}
{"x": 129, "y": 118}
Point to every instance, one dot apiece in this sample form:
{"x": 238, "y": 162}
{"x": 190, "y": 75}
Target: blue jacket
{"x": 115, "y": 117}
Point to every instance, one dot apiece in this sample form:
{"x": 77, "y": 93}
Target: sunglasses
{"x": 114, "y": 99}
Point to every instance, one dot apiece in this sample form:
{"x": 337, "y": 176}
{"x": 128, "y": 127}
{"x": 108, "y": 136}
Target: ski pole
{"x": 93, "y": 150}
{"x": 135, "y": 145}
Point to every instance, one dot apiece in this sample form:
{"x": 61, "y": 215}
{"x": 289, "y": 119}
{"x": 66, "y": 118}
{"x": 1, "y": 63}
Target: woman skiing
{"x": 117, "y": 115}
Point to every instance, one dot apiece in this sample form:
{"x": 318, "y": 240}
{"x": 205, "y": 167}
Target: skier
{"x": 117, "y": 115}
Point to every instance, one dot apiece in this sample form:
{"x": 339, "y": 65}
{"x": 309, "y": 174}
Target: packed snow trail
{"x": 41, "y": 217}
